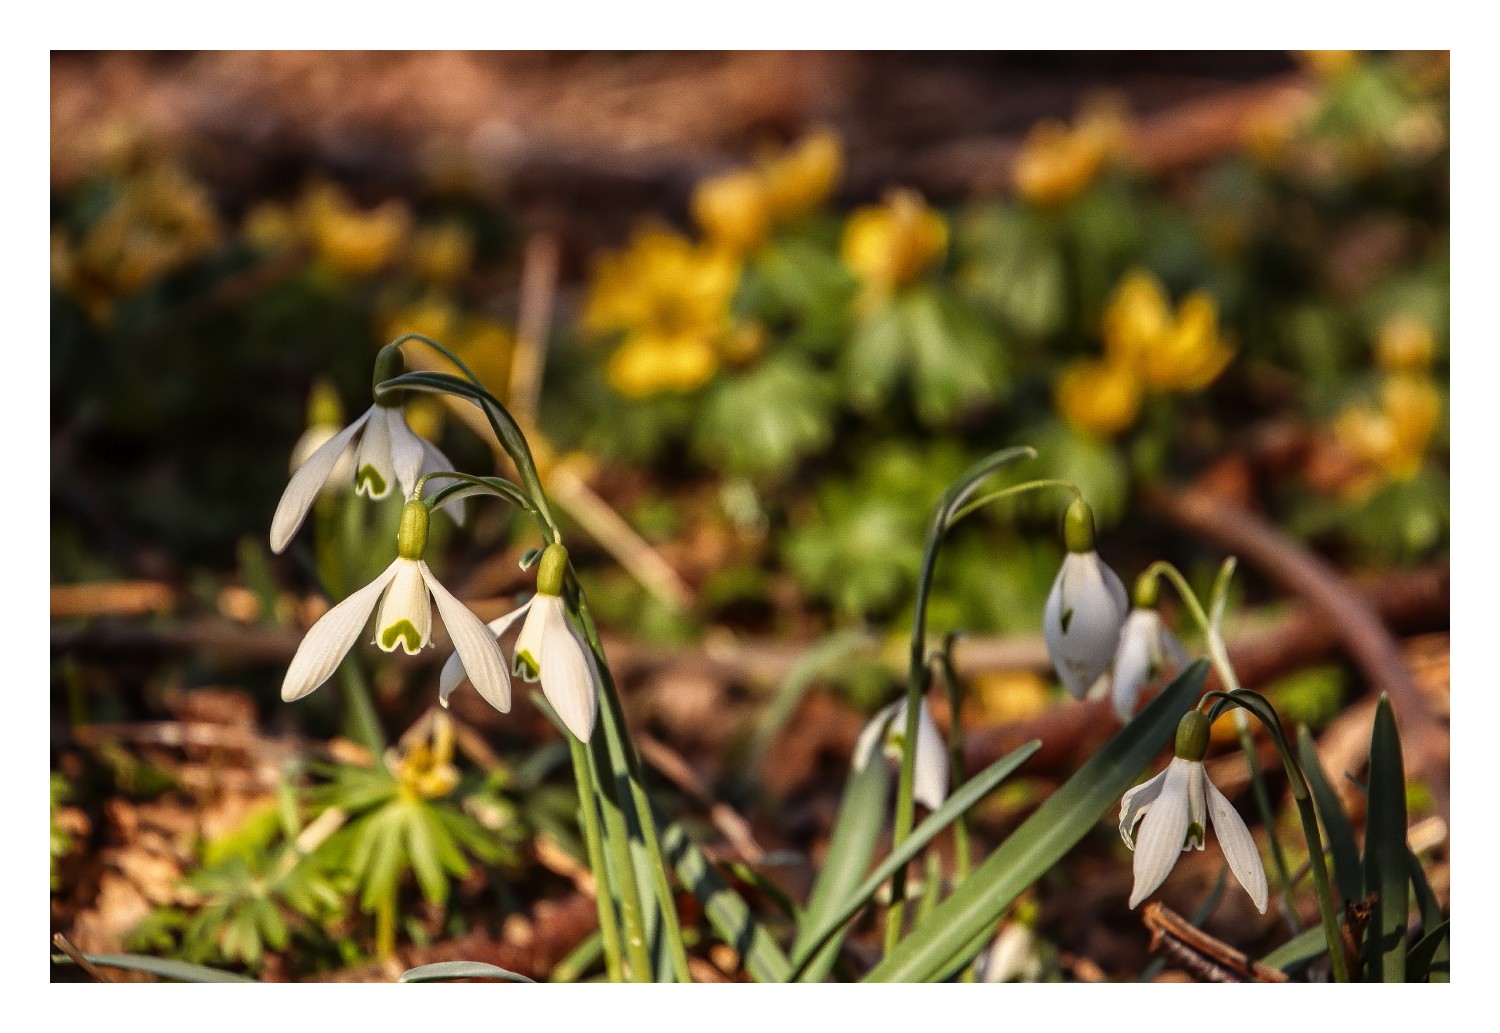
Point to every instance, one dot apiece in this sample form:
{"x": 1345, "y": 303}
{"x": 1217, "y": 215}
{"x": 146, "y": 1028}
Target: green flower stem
{"x": 962, "y": 860}
{"x": 1266, "y": 714}
{"x": 588, "y": 817}
{"x": 953, "y": 504}
{"x": 617, "y": 842}
{"x": 1013, "y": 490}
{"x": 1218, "y": 653}
{"x": 385, "y": 926}
{"x": 619, "y": 734}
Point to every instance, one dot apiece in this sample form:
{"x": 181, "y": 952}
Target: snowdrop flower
{"x": 888, "y": 728}
{"x": 1147, "y": 648}
{"x": 387, "y": 453}
{"x": 404, "y": 619}
{"x": 1085, "y": 609}
{"x": 1014, "y": 957}
{"x": 548, "y": 650}
{"x": 325, "y": 418}
{"x": 1166, "y": 816}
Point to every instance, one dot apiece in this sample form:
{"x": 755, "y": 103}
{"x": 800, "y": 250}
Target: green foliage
{"x": 59, "y": 842}
{"x": 764, "y": 421}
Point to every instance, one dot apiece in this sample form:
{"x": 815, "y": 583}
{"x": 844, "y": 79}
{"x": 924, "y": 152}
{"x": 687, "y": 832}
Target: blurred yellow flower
{"x": 158, "y": 220}
{"x": 1405, "y": 345}
{"x": 441, "y": 252}
{"x": 670, "y": 298}
{"x": 1330, "y": 64}
{"x": 425, "y": 770}
{"x": 800, "y": 180}
{"x": 890, "y": 245}
{"x": 1181, "y": 353}
{"x": 1098, "y": 399}
{"x": 354, "y": 242}
{"x": 733, "y": 209}
{"x": 1057, "y": 163}
{"x": 1394, "y": 437}
{"x": 647, "y": 364}
{"x": 268, "y": 226}
{"x": 1010, "y": 695}
{"x": 736, "y": 210}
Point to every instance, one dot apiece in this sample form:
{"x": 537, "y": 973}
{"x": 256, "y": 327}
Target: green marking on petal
{"x": 369, "y": 481}
{"x": 895, "y": 746}
{"x": 1194, "y": 836}
{"x": 526, "y": 665}
{"x": 403, "y": 632}
{"x": 1067, "y": 618}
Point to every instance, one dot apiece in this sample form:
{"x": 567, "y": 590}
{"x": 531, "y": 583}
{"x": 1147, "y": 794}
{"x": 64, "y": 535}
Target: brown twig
{"x": 1206, "y": 957}
{"x": 65, "y": 945}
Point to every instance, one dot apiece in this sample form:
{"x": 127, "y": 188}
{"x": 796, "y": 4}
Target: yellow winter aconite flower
{"x": 1405, "y": 345}
{"x": 670, "y": 298}
{"x": 891, "y": 244}
{"x": 736, "y": 210}
{"x": 733, "y": 209}
{"x": 1330, "y": 64}
{"x": 1395, "y": 436}
{"x": 269, "y": 226}
{"x": 1098, "y": 399}
{"x": 1181, "y": 352}
{"x": 800, "y": 180}
{"x": 426, "y": 770}
{"x": 1058, "y": 162}
{"x": 351, "y": 241}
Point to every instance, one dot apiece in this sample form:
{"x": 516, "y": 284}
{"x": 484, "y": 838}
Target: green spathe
{"x": 552, "y": 570}
{"x": 411, "y": 539}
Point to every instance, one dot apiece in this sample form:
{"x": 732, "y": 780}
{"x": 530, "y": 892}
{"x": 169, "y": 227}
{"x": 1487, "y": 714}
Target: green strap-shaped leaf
{"x": 967, "y": 796}
{"x": 1346, "y": 869}
{"x": 726, "y": 912}
{"x": 1432, "y": 917}
{"x": 850, "y": 847}
{"x": 1429, "y": 958}
{"x": 180, "y": 971}
{"x": 442, "y": 971}
{"x": 1386, "y": 870}
{"x": 1066, "y": 817}
{"x": 1298, "y": 952}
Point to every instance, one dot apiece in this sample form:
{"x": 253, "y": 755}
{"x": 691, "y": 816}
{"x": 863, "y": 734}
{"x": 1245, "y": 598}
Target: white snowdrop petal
{"x": 568, "y": 680}
{"x": 1135, "y": 802}
{"x": 474, "y": 645}
{"x": 1161, "y": 833}
{"x": 1197, "y": 806}
{"x": 407, "y": 453}
{"x": 1238, "y": 845}
{"x": 433, "y": 460}
{"x": 1082, "y": 619}
{"x": 405, "y": 618}
{"x": 374, "y": 474}
{"x": 1172, "y": 651}
{"x": 527, "y": 660}
{"x": 930, "y": 785}
{"x": 1132, "y": 667}
{"x": 304, "y": 485}
{"x": 331, "y": 638}
{"x": 873, "y": 733}
{"x": 453, "y": 673}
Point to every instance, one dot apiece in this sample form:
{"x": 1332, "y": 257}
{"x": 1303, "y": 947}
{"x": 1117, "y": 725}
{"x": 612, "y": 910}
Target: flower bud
{"x": 1145, "y": 592}
{"x": 388, "y": 364}
{"x": 552, "y": 569}
{"x": 1192, "y": 736}
{"x": 411, "y": 539}
{"x": 1078, "y": 527}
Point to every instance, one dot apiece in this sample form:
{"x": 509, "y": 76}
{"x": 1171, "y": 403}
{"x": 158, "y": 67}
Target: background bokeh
{"x": 759, "y": 309}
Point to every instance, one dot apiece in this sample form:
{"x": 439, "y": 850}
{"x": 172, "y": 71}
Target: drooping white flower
{"x": 887, "y": 730}
{"x": 1147, "y": 648}
{"x": 548, "y": 650}
{"x": 1085, "y": 609}
{"x": 1014, "y": 957}
{"x": 405, "y": 592}
{"x": 386, "y": 452}
{"x": 1171, "y": 813}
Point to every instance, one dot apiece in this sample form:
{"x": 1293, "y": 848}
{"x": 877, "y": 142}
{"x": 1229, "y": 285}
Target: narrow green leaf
{"x": 1065, "y": 818}
{"x": 1386, "y": 870}
{"x": 179, "y": 971}
{"x": 1428, "y": 957}
{"x": 441, "y": 971}
{"x": 850, "y": 847}
{"x": 1341, "y": 843}
{"x": 579, "y": 960}
{"x": 967, "y": 796}
{"x": 1432, "y": 917}
{"x": 1298, "y": 952}
{"x": 726, "y": 912}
